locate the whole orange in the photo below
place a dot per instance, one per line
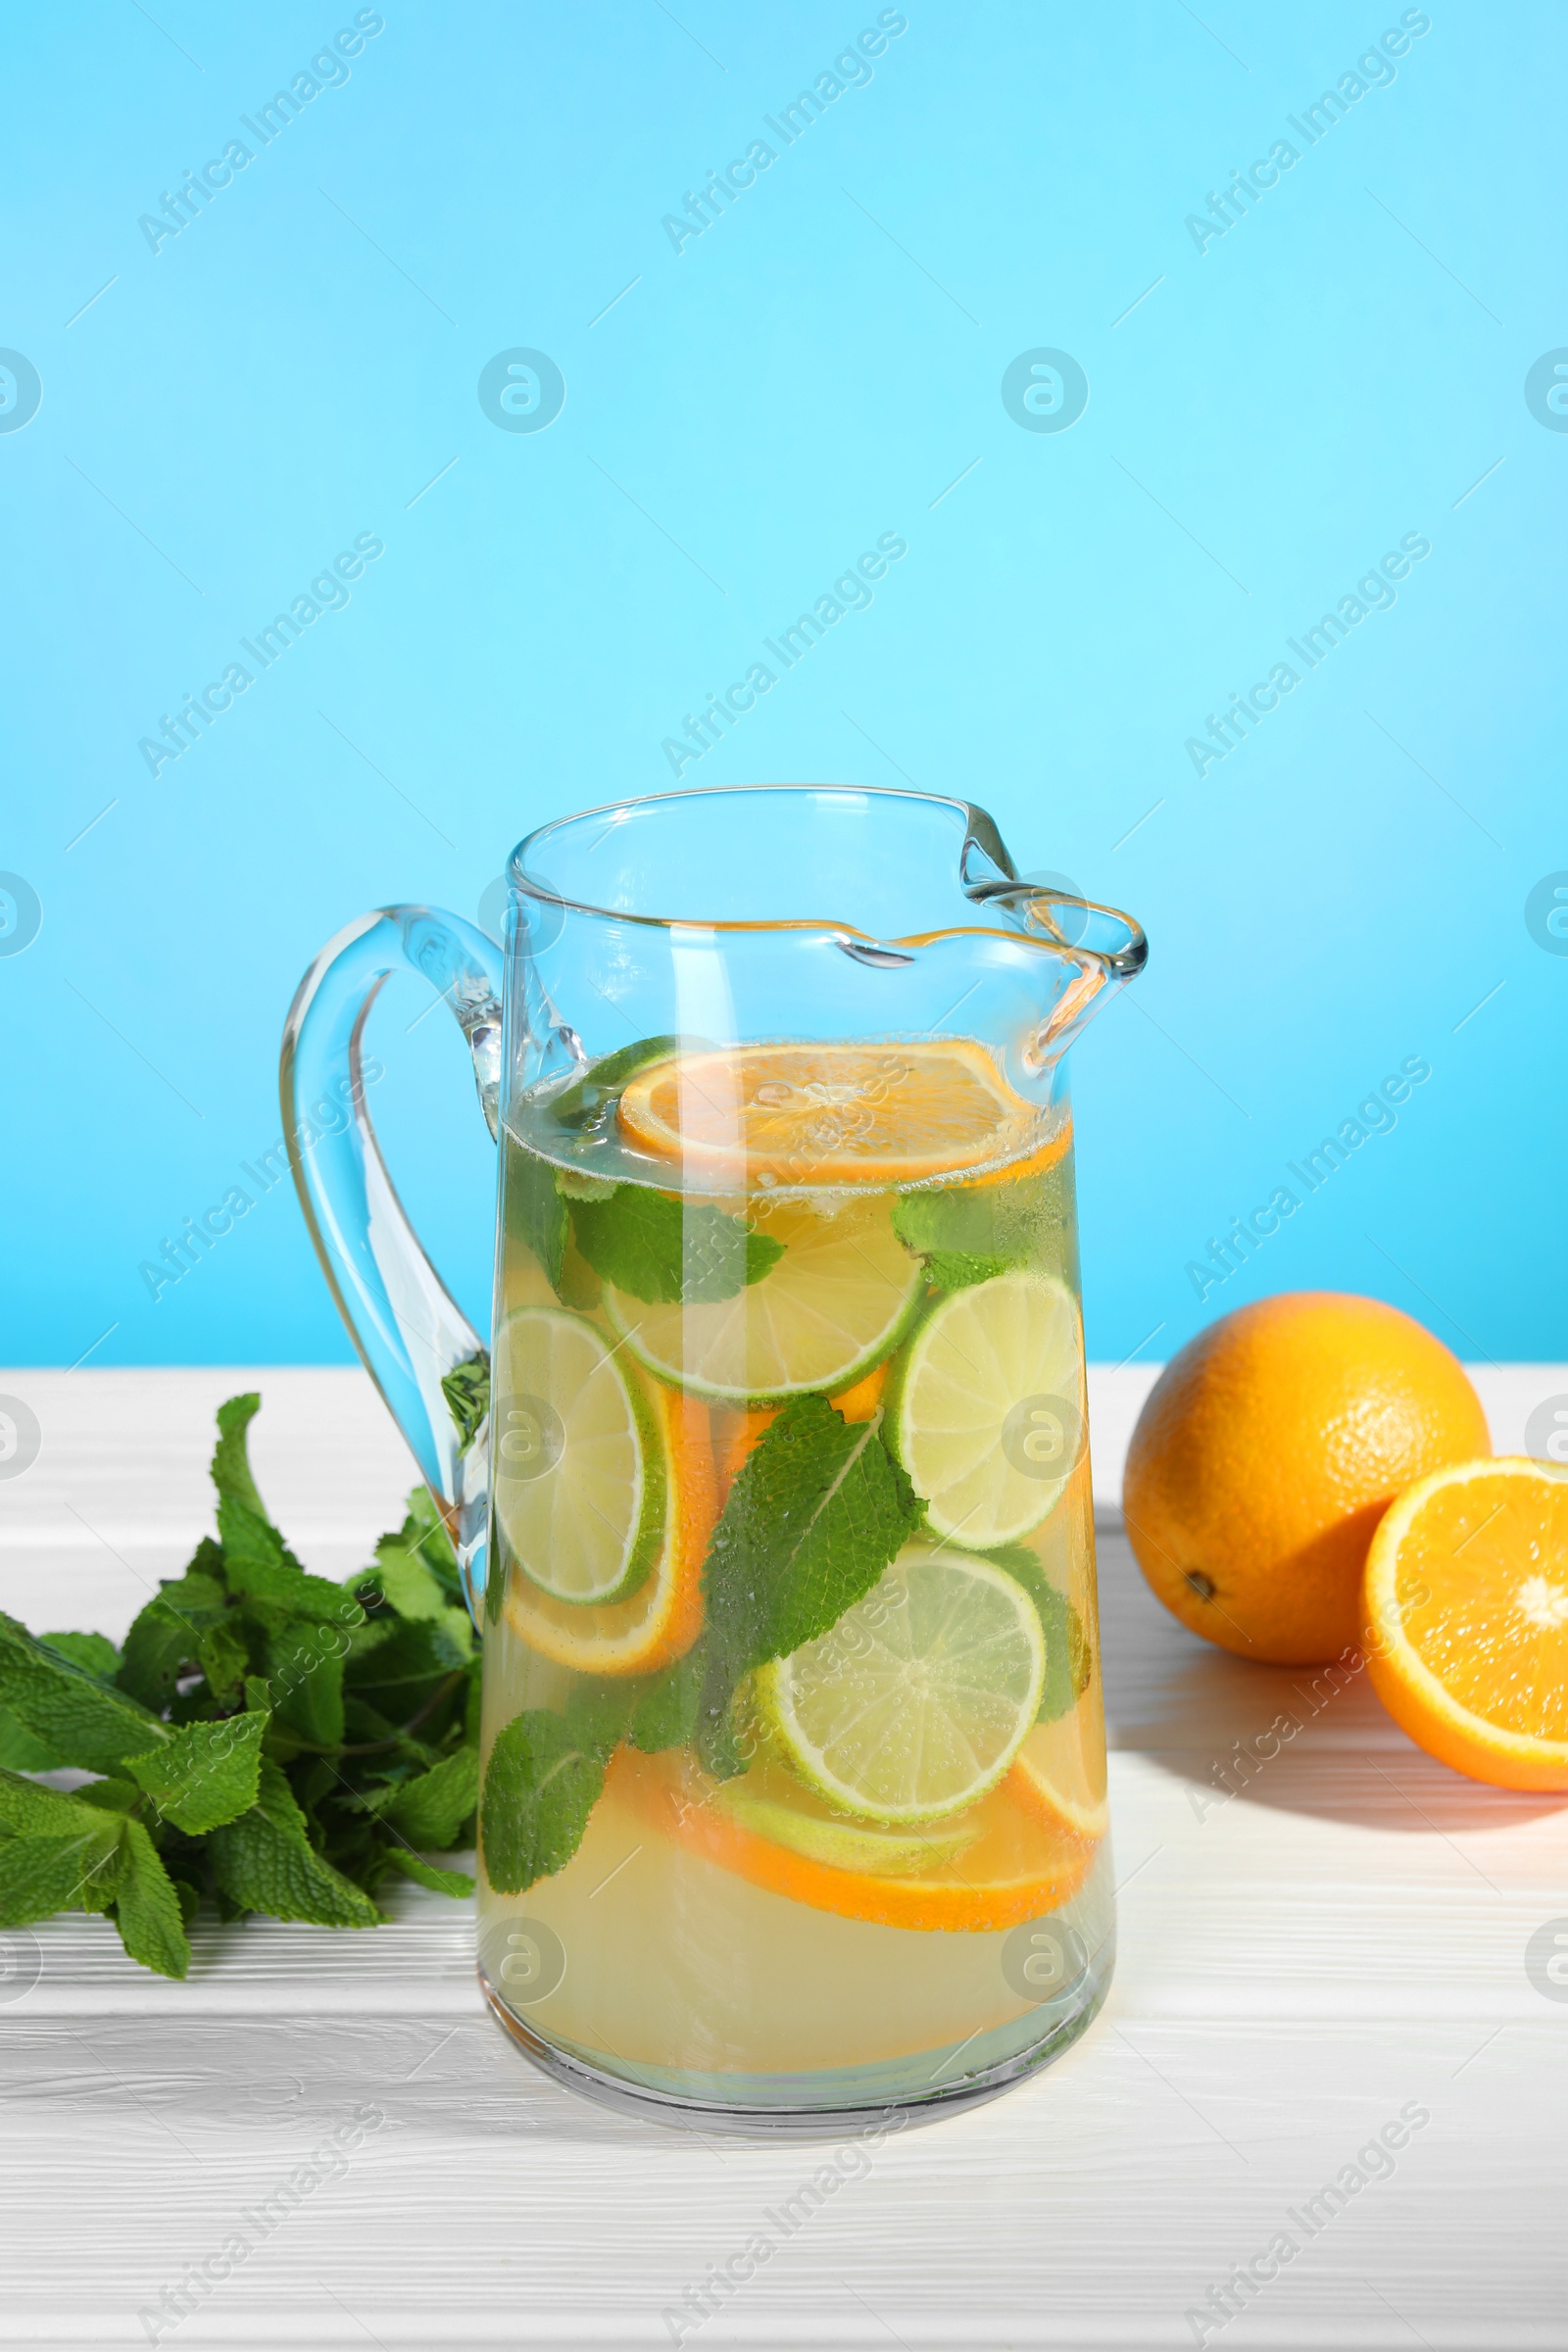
(1267, 1452)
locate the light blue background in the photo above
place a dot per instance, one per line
(814, 369)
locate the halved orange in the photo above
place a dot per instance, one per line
(1059, 1773)
(664, 1617)
(849, 1113)
(1465, 1610)
(1018, 1866)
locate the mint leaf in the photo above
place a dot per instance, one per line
(166, 1636)
(93, 1651)
(722, 1721)
(206, 1774)
(224, 1654)
(305, 1676)
(425, 1874)
(395, 1669)
(1069, 1658)
(579, 1287)
(256, 1560)
(432, 1807)
(260, 1565)
(29, 1809)
(954, 1231)
(657, 1247)
(590, 1101)
(21, 1751)
(408, 1582)
(109, 1795)
(55, 1851)
(598, 1708)
(42, 1875)
(816, 1512)
(666, 1713)
(426, 1530)
(265, 1862)
(969, 1233)
(533, 1211)
(88, 1722)
(467, 1390)
(147, 1907)
(539, 1789)
(415, 1570)
(407, 1585)
(232, 1467)
(572, 1187)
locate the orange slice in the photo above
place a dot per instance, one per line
(1040, 1161)
(1018, 1866)
(1465, 1608)
(833, 1113)
(1059, 1773)
(664, 1617)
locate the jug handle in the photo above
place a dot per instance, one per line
(410, 1332)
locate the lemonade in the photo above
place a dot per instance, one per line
(794, 1792)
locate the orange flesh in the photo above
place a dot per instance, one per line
(824, 1114)
(861, 1402)
(1482, 1587)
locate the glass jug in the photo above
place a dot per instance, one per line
(772, 1488)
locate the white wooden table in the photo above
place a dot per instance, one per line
(1298, 1965)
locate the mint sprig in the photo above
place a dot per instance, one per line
(266, 1740)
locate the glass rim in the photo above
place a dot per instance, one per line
(1024, 898)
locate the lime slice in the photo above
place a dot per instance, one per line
(841, 1844)
(986, 1412)
(839, 1300)
(917, 1702)
(580, 1478)
(662, 1618)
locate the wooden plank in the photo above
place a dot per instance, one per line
(1340, 1940)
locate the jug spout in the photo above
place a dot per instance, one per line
(1091, 951)
(865, 913)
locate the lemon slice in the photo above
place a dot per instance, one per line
(834, 1306)
(847, 1112)
(987, 1411)
(581, 1477)
(917, 1702)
